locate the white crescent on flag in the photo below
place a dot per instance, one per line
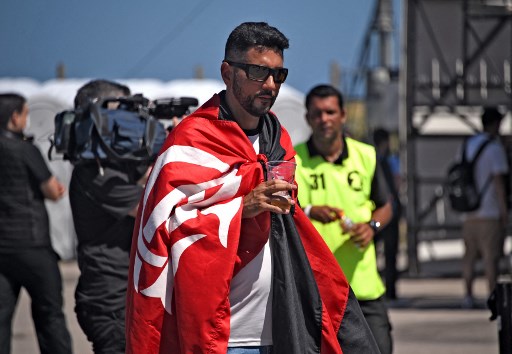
(187, 202)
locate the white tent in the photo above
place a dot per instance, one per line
(48, 98)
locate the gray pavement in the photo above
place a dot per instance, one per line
(427, 319)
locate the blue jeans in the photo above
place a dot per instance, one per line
(250, 350)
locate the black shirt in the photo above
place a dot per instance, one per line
(23, 216)
(100, 205)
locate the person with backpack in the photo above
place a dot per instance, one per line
(483, 229)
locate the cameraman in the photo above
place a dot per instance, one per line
(104, 202)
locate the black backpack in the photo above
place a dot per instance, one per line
(461, 186)
(127, 134)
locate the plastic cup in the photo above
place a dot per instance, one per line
(283, 170)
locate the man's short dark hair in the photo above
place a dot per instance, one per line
(10, 103)
(324, 91)
(99, 89)
(380, 135)
(490, 116)
(254, 34)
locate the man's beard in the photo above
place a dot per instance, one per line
(247, 102)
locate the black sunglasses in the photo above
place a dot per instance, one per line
(261, 73)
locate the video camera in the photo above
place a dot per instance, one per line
(167, 108)
(163, 108)
(117, 129)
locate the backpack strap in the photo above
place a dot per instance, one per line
(474, 160)
(479, 151)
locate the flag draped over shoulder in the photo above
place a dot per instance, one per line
(186, 247)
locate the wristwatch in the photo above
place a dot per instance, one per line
(375, 225)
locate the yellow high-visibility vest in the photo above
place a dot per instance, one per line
(345, 185)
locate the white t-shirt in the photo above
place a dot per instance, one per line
(251, 297)
(491, 162)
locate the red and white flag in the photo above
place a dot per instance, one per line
(186, 240)
(186, 237)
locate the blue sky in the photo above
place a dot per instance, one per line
(166, 39)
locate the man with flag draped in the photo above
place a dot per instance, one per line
(215, 267)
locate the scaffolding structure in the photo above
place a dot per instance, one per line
(457, 57)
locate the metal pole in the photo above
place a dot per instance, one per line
(410, 135)
(384, 25)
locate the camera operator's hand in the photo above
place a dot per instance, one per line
(262, 198)
(175, 121)
(144, 179)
